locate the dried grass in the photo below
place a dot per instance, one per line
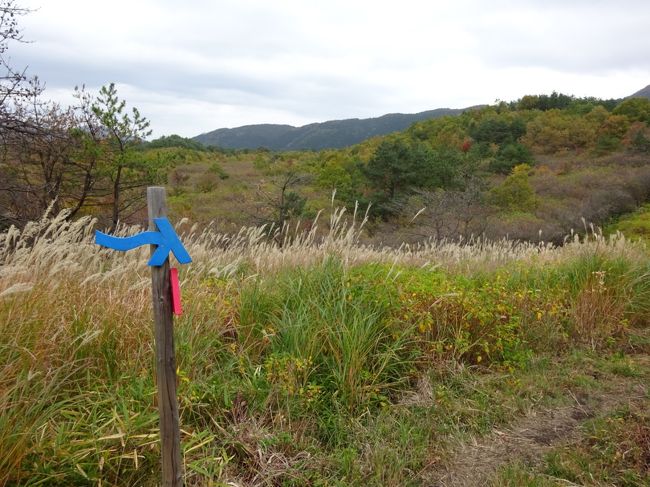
(55, 249)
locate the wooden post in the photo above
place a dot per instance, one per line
(170, 436)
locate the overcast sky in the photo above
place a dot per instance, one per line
(196, 65)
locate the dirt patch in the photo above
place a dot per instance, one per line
(529, 438)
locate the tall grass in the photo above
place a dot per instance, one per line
(288, 346)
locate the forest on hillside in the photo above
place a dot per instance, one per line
(534, 169)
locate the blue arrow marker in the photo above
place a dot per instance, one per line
(166, 240)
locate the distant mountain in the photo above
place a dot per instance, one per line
(316, 136)
(643, 93)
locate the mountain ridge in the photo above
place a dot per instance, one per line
(331, 134)
(642, 93)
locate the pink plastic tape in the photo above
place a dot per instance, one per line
(176, 292)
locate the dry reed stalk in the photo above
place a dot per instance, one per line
(53, 247)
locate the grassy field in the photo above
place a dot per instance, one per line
(241, 189)
(635, 225)
(327, 362)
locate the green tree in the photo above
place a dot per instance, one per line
(441, 168)
(341, 173)
(441, 132)
(545, 102)
(497, 129)
(174, 140)
(124, 132)
(635, 109)
(516, 192)
(398, 167)
(393, 168)
(510, 155)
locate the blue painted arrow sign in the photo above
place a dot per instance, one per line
(166, 240)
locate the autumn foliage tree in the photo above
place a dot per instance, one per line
(515, 193)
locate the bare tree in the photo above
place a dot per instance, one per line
(449, 213)
(57, 157)
(54, 164)
(278, 205)
(15, 86)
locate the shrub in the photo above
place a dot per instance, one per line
(516, 192)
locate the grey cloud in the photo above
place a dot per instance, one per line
(597, 39)
(318, 61)
(308, 95)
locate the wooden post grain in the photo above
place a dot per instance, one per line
(172, 468)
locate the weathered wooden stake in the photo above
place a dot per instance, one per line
(170, 436)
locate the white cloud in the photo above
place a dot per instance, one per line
(198, 65)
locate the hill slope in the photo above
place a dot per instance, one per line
(316, 136)
(642, 93)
